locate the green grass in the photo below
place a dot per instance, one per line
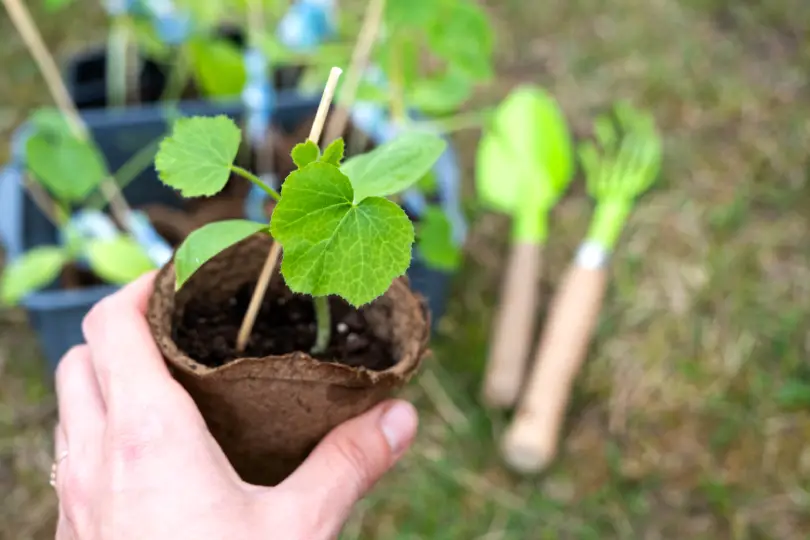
(691, 416)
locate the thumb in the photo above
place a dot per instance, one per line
(349, 461)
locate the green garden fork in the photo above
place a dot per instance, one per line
(615, 177)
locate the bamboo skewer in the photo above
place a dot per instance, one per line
(360, 57)
(275, 251)
(33, 39)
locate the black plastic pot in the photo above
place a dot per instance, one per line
(85, 77)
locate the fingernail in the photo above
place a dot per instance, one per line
(398, 425)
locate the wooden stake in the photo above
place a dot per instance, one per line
(372, 21)
(272, 258)
(265, 160)
(42, 201)
(50, 72)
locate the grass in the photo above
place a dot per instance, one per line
(691, 416)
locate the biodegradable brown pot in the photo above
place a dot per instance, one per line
(268, 413)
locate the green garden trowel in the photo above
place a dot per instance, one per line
(625, 165)
(524, 164)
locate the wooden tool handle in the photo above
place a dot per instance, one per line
(514, 325)
(530, 443)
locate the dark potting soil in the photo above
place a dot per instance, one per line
(285, 324)
(73, 277)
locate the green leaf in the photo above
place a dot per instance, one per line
(435, 240)
(148, 40)
(305, 153)
(119, 260)
(334, 152)
(415, 13)
(333, 245)
(393, 166)
(53, 6)
(794, 394)
(428, 184)
(206, 242)
(464, 38)
(400, 58)
(205, 13)
(277, 51)
(51, 121)
(32, 271)
(442, 95)
(68, 167)
(218, 67)
(196, 159)
(367, 91)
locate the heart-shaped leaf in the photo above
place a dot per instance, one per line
(197, 158)
(335, 243)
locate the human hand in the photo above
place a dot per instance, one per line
(135, 459)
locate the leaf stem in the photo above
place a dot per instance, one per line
(398, 111)
(134, 166)
(458, 122)
(270, 263)
(244, 173)
(116, 68)
(178, 77)
(323, 317)
(48, 206)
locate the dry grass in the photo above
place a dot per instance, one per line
(691, 417)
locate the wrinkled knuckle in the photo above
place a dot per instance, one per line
(134, 434)
(97, 316)
(75, 493)
(355, 459)
(69, 362)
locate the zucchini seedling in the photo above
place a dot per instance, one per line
(340, 234)
(70, 169)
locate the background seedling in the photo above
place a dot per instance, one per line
(67, 170)
(59, 146)
(620, 170)
(524, 164)
(341, 236)
(28, 31)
